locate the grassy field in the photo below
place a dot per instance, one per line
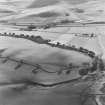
(34, 53)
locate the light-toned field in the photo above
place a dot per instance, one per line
(34, 53)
